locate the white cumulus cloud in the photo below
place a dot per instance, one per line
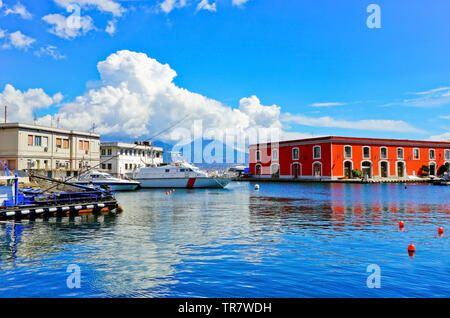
(366, 124)
(18, 9)
(136, 96)
(109, 6)
(111, 27)
(443, 137)
(168, 5)
(17, 40)
(69, 27)
(239, 2)
(328, 104)
(435, 97)
(205, 5)
(49, 50)
(21, 105)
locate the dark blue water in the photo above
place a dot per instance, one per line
(285, 240)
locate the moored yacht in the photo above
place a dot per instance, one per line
(178, 175)
(98, 178)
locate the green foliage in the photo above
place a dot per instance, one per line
(443, 169)
(357, 173)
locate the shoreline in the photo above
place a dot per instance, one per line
(327, 180)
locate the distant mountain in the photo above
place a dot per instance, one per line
(214, 155)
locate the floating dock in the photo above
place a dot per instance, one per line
(59, 210)
(32, 203)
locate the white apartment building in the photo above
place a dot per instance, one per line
(119, 158)
(54, 152)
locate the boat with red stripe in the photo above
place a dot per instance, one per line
(179, 175)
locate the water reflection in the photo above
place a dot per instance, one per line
(224, 243)
(31, 239)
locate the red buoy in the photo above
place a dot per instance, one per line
(440, 230)
(411, 248)
(401, 224)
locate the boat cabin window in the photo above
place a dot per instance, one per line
(182, 170)
(167, 170)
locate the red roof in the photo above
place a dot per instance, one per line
(338, 139)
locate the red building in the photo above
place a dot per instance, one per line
(336, 157)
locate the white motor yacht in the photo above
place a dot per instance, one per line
(98, 178)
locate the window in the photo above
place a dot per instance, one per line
(400, 154)
(347, 151)
(274, 154)
(103, 153)
(258, 155)
(295, 154)
(167, 170)
(80, 145)
(447, 154)
(258, 170)
(37, 140)
(103, 165)
(366, 152)
(416, 154)
(317, 152)
(383, 153)
(126, 166)
(181, 170)
(58, 142)
(30, 140)
(109, 152)
(66, 143)
(45, 142)
(109, 166)
(432, 154)
(86, 145)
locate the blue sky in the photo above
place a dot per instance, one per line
(317, 61)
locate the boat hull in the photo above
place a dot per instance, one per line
(119, 186)
(187, 183)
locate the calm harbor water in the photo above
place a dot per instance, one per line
(285, 240)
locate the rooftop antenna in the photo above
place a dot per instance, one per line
(34, 118)
(57, 121)
(93, 127)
